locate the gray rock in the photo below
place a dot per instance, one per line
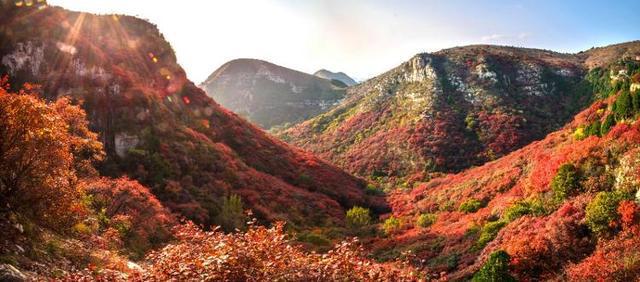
(8, 273)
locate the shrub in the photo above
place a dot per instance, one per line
(127, 207)
(391, 225)
(358, 217)
(520, 208)
(262, 254)
(565, 183)
(426, 219)
(373, 190)
(580, 133)
(602, 211)
(495, 269)
(471, 205)
(489, 232)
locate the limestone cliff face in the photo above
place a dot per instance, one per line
(271, 95)
(447, 110)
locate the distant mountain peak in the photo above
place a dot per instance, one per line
(271, 95)
(340, 76)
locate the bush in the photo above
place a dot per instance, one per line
(523, 207)
(565, 183)
(132, 211)
(373, 190)
(489, 232)
(495, 269)
(471, 205)
(602, 211)
(358, 217)
(426, 219)
(262, 254)
(580, 133)
(391, 225)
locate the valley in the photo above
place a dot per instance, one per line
(473, 163)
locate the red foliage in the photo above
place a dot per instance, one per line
(132, 210)
(262, 254)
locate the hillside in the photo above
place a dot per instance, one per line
(270, 95)
(447, 111)
(563, 208)
(159, 128)
(340, 76)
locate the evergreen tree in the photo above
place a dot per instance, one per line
(231, 216)
(623, 105)
(609, 122)
(594, 128)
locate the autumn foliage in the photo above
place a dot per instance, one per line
(44, 147)
(263, 254)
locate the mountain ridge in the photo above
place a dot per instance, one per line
(271, 95)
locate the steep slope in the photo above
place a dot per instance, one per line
(159, 128)
(340, 76)
(271, 95)
(448, 110)
(565, 207)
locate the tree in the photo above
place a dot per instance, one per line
(594, 128)
(624, 108)
(609, 122)
(496, 269)
(358, 217)
(231, 215)
(41, 149)
(565, 182)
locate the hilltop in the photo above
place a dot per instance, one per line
(270, 95)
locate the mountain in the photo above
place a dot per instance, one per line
(270, 95)
(157, 127)
(450, 110)
(562, 208)
(340, 76)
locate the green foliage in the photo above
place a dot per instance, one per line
(471, 205)
(520, 208)
(594, 128)
(358, 217)
(608, 123)
(565, 183)
(580, 133)
(489, 232)
(373, 190)
(315, 239)
(602, 210)
(231, 215)
(496, 269)
(426, 219)
(624, 107)
(391, 225)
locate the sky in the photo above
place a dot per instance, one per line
(364, 38)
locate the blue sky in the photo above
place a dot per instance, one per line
(366, 38)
